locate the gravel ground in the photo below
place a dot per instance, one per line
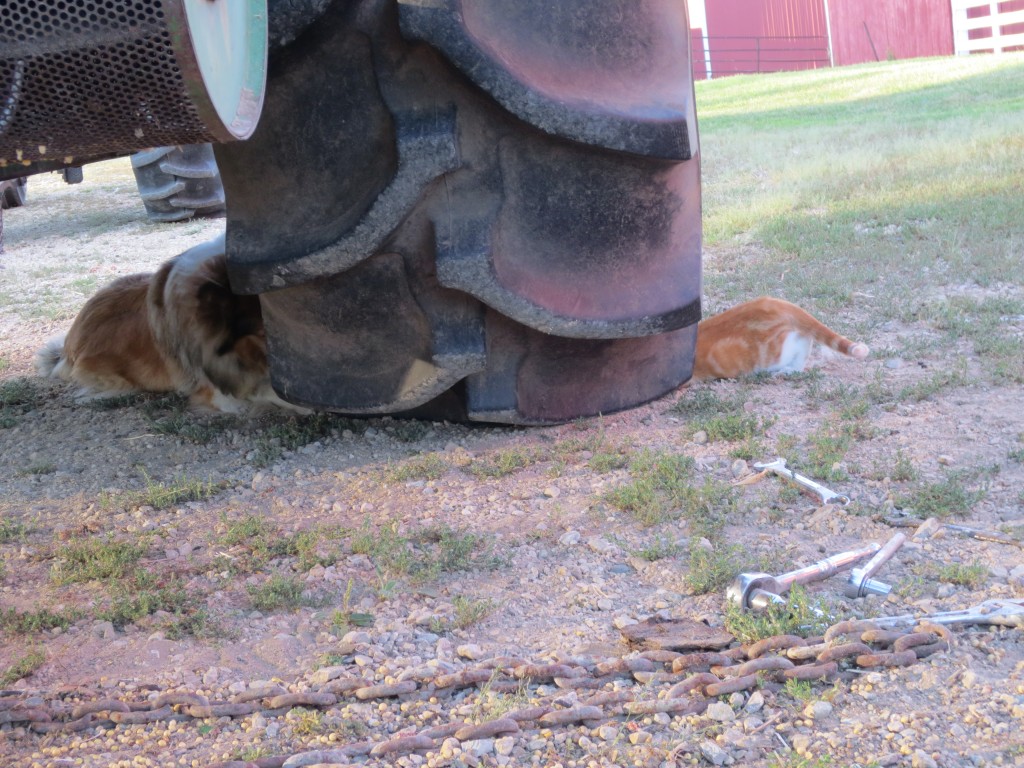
(539, 563)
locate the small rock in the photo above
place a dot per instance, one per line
(945, 590)
(700, 437)
(713, 753)
(640, 737)
(356, 637)
(325, 674)
(801, 743)
(504, 745)
(602, 546)
(552, 492)
(569, 538)
(604, 604)
(739, 469)
(470, 651)
(478, 747)
(922, 759)
(945, 460)
(608, 732)
(1017, 575)
(755, 702)
(623, 621)
(893, 362)
(819, 710)
(721, 712)
(969, 679)
(104, 630)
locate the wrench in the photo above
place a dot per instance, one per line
(828, 496)
(756, 590)
(1006, 613)
(861, 582)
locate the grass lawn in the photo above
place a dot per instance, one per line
(875, 193)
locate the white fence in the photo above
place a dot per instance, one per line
(994, 21)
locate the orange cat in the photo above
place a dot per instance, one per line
(765, 334)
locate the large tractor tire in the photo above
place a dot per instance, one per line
(473, 208)
(13, 193)
(177, 183)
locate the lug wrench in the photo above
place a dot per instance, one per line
(757, 590)
(861, 583)
(828, 496)
(1006, 613)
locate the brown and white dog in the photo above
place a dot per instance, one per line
(180, 329)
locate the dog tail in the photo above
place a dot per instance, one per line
(50, 359)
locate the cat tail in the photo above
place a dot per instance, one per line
(50, 359)
(825, 336)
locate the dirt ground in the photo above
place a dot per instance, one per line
(555, 566)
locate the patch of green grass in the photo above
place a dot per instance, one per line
(264, 541)
(297, 431)
(12, 530)
(503, 463)
(662, 489)
(988, 323)
(828, 447)
(28, 622)
(163, 495)
(793, 760)
(733, 427)
(705, 403)
(492, 705)
(713, 569)
(407, 430)
(96, 559)
(429, 466)
(898, 468)
(39, 468)
(971, 576)
(23, 667)
(659, 549)
(306, 722)
(776, 204)
(140, 595)
(949, 497)
(721, 418)
(749, 449)
(798, 616)
(603, 461)
(21, 391)
(18, 397)
(806, 691)
(470, 611)
(424, 554)
(1017, 453)
(277, 593)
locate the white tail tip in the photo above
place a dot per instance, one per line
(859, 351)
(50, 356)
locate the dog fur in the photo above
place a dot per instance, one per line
(180, 329)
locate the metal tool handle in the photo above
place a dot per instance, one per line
(827, 567)
(884, 555)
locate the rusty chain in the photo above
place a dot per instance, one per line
(660, 682)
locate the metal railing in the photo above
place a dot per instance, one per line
(744, 55)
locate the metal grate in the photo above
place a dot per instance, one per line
(81, 78)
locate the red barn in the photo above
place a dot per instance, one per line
(772, 35)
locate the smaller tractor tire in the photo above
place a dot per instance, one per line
(13, 193)
(177, 183)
